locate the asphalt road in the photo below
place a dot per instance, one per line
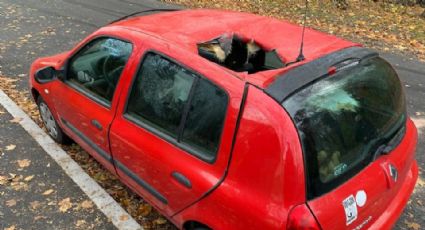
(34, 28)
(37, 193)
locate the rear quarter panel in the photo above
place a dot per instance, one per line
(266, 176)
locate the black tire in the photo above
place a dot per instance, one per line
(50, 123)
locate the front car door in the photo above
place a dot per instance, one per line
(173, 132)
(88, 93)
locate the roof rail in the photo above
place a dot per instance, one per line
(141, 12)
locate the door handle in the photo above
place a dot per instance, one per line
(96, 124)
(182, 179)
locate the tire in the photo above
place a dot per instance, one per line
(50, 123)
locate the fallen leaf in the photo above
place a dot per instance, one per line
(413, 225)
(35, 204)
(65, 204)
(13, 227)
(48, 192)
(11, 203)
(3, 180)
(80, 223)
(123, 217)
(10, 147)
(39, 217)
(160, 221)
(420, 182)
(144, 210)
(87, 204)
(16, 120)
(24, 163)
(28, 178)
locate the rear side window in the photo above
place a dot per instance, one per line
(205, 119)
(346, 120)
(160, 93)
(178, 105)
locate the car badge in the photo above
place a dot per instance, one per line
(393, 172)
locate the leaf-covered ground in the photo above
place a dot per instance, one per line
(141, 211)
(385, 26)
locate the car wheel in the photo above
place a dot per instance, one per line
(52, 127)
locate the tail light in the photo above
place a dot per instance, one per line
(301, 218)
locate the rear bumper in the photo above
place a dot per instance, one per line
(394, 210)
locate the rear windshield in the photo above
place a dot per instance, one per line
(346, 120)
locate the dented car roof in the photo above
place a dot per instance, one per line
(187, 28)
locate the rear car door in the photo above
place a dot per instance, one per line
(358, 145)
(172, 136)
(88, 93)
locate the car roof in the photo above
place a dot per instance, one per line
(187, 28)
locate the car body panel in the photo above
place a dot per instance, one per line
(266, 144)
(195, 26)
(154, 159)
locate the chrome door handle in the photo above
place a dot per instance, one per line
(96, 124)
(181, 179)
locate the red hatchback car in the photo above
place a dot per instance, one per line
(210, 117)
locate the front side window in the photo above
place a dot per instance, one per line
(188, 109)
(97, 67)
(346, 120)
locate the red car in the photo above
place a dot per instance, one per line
(211, 117)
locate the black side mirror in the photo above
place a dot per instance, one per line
(45, 75)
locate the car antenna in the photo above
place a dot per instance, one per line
(301, 54)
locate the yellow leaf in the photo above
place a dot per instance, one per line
(123, 217)
(24, 163)
(10, 147)
(160, 221)
(48, 192)
(420, 182)
(87, 204)
(65, 204)
(16, 120)
(28, 178)
(413, 225)
(11, 203)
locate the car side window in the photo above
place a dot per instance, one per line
(159, 93)
(205, 118)
(97, 67)
(188, 108)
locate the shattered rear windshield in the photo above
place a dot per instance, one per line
(239, 54)
(346, 120)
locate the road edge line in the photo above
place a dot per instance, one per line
(105, 203)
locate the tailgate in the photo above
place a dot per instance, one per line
(364, 199)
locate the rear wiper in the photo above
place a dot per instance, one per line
(391, 144)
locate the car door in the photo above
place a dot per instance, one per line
(85, 104)
(173, 133)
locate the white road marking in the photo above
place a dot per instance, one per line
(420, 124)
(119, 217)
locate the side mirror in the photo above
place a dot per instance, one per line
(45, 75)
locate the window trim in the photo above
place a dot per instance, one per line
(85, 92)
(163, 135)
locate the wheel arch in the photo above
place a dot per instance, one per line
(35, 94)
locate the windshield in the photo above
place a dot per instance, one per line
(345, 120)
